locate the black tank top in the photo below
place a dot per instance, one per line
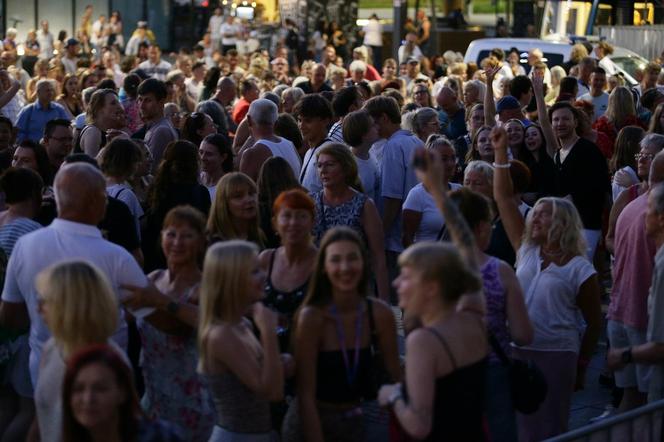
(284, 303)
(458, 407)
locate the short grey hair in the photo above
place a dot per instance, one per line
(73, 184)
(479, 86)
(357, 65)
(657, 197)
(479, 166)
(44, 82)
(655, 141)
(294, 92)
(263, 111)
(279, 89)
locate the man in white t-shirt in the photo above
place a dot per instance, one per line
(229, 34)
(214, 26)
(80, 195)
(261, 116)
(597, 96)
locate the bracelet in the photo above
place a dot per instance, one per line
(502, 166)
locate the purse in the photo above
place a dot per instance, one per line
(379, 374)
(527, 383)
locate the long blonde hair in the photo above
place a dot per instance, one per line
(620, 107)
(566, 227)
(224, 287)
(220, 222)
(82, 308)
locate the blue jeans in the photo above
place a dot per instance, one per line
(500, 413)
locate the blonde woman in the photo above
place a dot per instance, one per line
(80, 309)
(234, 212)
(557, 74)
(244, 373)
(620, 112)
(560, 286)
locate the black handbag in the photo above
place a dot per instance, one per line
(379, 374)
(529, 388)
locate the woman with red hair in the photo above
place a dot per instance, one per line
(289, 267)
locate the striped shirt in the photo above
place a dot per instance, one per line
(10, 233)
(336, 133)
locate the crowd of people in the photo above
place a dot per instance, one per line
(244, 243)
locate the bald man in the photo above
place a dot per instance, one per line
(451, 114)
(80, 195)
(316, 83)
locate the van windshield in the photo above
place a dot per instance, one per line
(629, 64)
(551, 59)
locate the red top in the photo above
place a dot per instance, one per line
(240, 110)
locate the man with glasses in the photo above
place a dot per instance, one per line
(634, 254)
(58, 142)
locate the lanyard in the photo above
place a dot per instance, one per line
(351, 372)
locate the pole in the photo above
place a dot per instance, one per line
(397, 25)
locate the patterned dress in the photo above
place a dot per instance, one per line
(174, 392)
(348, 214)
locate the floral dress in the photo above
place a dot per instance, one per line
(348, 214)
(174, 392)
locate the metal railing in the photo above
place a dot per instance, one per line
(643, 424)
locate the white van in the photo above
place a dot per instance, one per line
(555, 53)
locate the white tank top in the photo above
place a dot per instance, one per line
(284, 149)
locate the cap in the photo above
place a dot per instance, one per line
(71, 42)
(507, 103)
(142, 24)
(410, 60)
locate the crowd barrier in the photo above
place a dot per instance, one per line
(643, 424)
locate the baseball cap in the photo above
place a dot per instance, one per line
(410, 60)
(71, 42)
(507, 103)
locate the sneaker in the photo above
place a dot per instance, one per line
(609, 411)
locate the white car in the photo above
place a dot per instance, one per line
(555, 53)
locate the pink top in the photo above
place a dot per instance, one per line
(632, 270)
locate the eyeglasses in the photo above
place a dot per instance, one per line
(644, 156)
(421, 91)
(326, 165)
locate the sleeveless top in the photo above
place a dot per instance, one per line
(496, 306)
(458, 406)
(284, 149)
(239, 409)
(346, 214)
(284, 303)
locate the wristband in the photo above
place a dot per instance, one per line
(502, 166)
(394, 397)
(627, 357)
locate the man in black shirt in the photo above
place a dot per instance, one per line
(581, 172)
(317, 82)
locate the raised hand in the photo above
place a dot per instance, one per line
(538, 82)
(491, 73)
(498, 139)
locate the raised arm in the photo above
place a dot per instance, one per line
(489, 101)
(549, 136)
(503, 190)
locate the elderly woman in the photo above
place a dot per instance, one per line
(289, 97)
(423, 122)
(173, 389)
(560, 286)
(104, 112)
(339, 203)
(473, 93)
(357, 71)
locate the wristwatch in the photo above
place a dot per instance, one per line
(173, 307)
(627, 357)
